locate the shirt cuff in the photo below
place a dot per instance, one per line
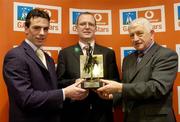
(63, 94)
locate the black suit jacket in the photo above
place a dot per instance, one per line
(148, 85)
(32, 89)
(93, 108)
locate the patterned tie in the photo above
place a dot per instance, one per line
(140, 55)
(41, 56)
(88, 49)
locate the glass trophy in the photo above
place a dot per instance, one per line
(91, 69)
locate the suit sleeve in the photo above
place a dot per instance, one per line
(17, 76)
(157, 79)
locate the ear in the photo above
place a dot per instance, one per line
(75, 27)
(152, 34)
(26, 30)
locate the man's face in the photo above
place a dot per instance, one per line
(86, 27)
(141, 38)
(37, 31)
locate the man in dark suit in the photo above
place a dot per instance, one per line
(147, 84)
(92, 108)
(32, 82)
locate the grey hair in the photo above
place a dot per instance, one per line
(141, 21)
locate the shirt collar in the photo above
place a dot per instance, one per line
(146, 50)
(82, 45)
(31, 44)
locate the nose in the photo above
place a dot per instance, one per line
(42, 31)
(136, 38)
(87, 25)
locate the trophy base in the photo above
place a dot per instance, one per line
(91, 84)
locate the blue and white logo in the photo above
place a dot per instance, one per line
(75, 16)
(23, 11)
(128, 17)
(127, 52)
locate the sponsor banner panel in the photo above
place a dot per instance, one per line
(178, 52)
(125, 51)
(155, 14)
(177, 16)
(178, 88)
(21, 10)
(103, 20)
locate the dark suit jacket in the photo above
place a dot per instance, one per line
(93, 108)
(31, 87)
(148, 85)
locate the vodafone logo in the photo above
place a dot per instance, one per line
(149, 14)
(98, 17)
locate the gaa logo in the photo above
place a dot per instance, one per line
(22, 12)
(128, 17)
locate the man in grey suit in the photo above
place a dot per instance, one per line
(32, 83)
(92, 108)
(147, 83)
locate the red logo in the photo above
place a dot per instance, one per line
(152, 15)
(52, 13)
(101, 18)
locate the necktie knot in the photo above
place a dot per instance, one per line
(88, 49)
(39, 53)
(140, 54)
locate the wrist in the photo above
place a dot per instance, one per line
(120, 88)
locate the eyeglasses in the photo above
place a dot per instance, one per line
(87, 24)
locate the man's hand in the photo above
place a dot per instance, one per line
(75, 92)
(110, 87)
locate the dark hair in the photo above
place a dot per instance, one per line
(36, 13)
(85, 13)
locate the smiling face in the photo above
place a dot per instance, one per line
(37, 31)
(86, 27)
(141, 37)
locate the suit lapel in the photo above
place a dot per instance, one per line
(147, 56)
(30, 52)
(77, 51)
(97, 49)
(144, 61)
(131, 70)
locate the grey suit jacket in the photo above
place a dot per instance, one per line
(93, 108)
(32, 89)
(148, 85)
